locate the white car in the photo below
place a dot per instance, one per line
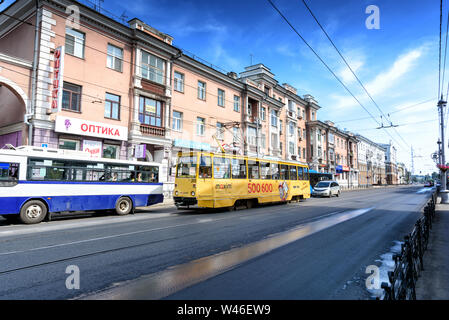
(326, 189)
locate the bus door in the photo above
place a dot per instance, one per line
(204, 181)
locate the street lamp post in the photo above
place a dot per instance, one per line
(444, 193)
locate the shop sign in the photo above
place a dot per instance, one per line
(140, 151)
(93, 147)
(58, 68)
(90, 128)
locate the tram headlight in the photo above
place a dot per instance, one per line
(176, 193)
(193, 193)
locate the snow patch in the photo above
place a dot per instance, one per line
(386, 265)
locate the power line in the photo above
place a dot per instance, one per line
(326, 65)
(352, 71)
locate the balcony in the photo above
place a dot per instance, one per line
(152, 131)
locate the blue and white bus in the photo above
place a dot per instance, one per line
(35, 182)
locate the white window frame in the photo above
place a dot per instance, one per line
(154, 72)
(177, 121)
(114, 58)
(178, 84)
(200, 126)
(79, 39)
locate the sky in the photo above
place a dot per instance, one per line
(397, 63)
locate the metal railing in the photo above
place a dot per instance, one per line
(409, 263)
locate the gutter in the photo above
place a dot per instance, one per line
(31, 113)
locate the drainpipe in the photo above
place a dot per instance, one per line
(32, 110)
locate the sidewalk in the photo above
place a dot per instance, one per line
(433, 284)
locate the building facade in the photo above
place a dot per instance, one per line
(391, 168)
(371, 162)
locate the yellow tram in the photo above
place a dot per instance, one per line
(224, 180)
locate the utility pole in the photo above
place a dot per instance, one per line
(413, 164)
(444, 193)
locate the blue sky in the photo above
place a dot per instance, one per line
(398, 63)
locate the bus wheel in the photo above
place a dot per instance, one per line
(124, 206)
(33, 211)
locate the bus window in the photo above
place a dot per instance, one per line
(222, 168)
(265, 170)
(253, 169)
(205, 170)
(238, 168)
(284, 172)
(300, 173)
(9, 172)
(186, 167)
(144, 174)
(275, 171)
(293, 173)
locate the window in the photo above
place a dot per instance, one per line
(252, 138)
(152, 68)
(263, 113)
(74, 43)
(71, 97)
(219, 131)
(263, 142)
(267, 90)
(200, 126)
(275, 171)
(299, 152)
(178, 81)
(205, 167)
(69, 144)
(221, 98)
(236, 103)
(112, 106)
(150, 112)
(114, 58)
(284, 172)
(9, 172)
(291, 128)
(293, 173)
(304, 153)
(274, 118)
(186, 167)
(300, 173)
(111, 151)
(201, 90)
(177, 121)
(291, 147)
(265, 170)
(280, 126)
(222, 168)
(304, 133)
(238, 168)
(253, 169)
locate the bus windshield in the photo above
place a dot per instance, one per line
(186, 167)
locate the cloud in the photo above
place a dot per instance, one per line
(383, 81)
(286, 50)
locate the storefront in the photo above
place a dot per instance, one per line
(97, 138)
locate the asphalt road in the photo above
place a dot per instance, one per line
(315, 249)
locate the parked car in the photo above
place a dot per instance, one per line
(326, 189)
(428, 184)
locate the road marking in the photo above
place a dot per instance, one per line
(162, 284)
(54, 226)
(111, 236)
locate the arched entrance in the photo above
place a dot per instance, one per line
(13, 106)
